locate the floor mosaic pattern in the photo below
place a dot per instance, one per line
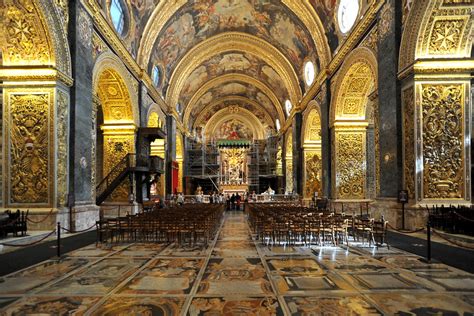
(237, 275)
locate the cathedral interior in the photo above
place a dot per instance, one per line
(236, 157)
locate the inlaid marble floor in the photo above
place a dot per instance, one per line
(237, 276)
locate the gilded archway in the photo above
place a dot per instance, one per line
(312, 151)
(355, 82)
(118, 103)
(157, 147)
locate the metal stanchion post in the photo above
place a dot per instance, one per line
(428, 241)
(58, 249)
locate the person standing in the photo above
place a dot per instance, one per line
(227, 201)
(180, 199)
(238, 199)
(232, 202)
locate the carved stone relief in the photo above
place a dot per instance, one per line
(313, 172)
(350, 165)
(25, 41)
(442, 107)
(408, 100)
(29, 135)
(62, 119)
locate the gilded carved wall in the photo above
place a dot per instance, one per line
(350, 165)
(62, 132)
(408, 101)
(442, 126)
(289, 163)
(313, 173)
(25, 40)
(116, 148)
(28, 155)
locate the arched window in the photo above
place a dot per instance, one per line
(309, 73)
(117, 13)
(156, 75)
(277, 124)
(288, 107)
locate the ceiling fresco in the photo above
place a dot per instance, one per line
(203, 115)
(327, 12)
(233, 129)
(201, 19)
(234, 62)
(236, 88)
(139, 14)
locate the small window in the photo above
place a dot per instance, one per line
(156, 75)
(309, 73)
(179, 108)
(277, 124)
(117, 13)
(288, 107)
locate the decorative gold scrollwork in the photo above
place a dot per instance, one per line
(29, 165)
(350, 172)
(443, 146)
(409, 158)
(313, 174)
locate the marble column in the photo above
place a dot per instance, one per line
(389, 118)
(298, 154)
(170, 152)
(81, 186)
(325, 139)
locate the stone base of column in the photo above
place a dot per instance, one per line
(415, 216)
(84, 216)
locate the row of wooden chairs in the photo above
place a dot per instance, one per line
(190, 224)
(14, 223)
(301, 225)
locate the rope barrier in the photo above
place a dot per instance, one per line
(29, 244)
(451, 241)
(42, 220)
(78, 231)
(405, 231)
(462, 217)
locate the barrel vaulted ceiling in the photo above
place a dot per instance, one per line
(217, 53)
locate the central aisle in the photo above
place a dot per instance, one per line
(234, 275)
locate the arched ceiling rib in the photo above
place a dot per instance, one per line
(165, 10)
(235, 84)
(203, 114)
(199, 20)
(234, 62)
(229, 42)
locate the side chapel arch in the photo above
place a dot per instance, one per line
(349, 121)
(117, 116)
(312, 150)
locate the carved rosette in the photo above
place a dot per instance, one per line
(29, 134)
(442, 124)
(62, 119)
(350, 165)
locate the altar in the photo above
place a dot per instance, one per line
(230, 189)
(233, 160)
